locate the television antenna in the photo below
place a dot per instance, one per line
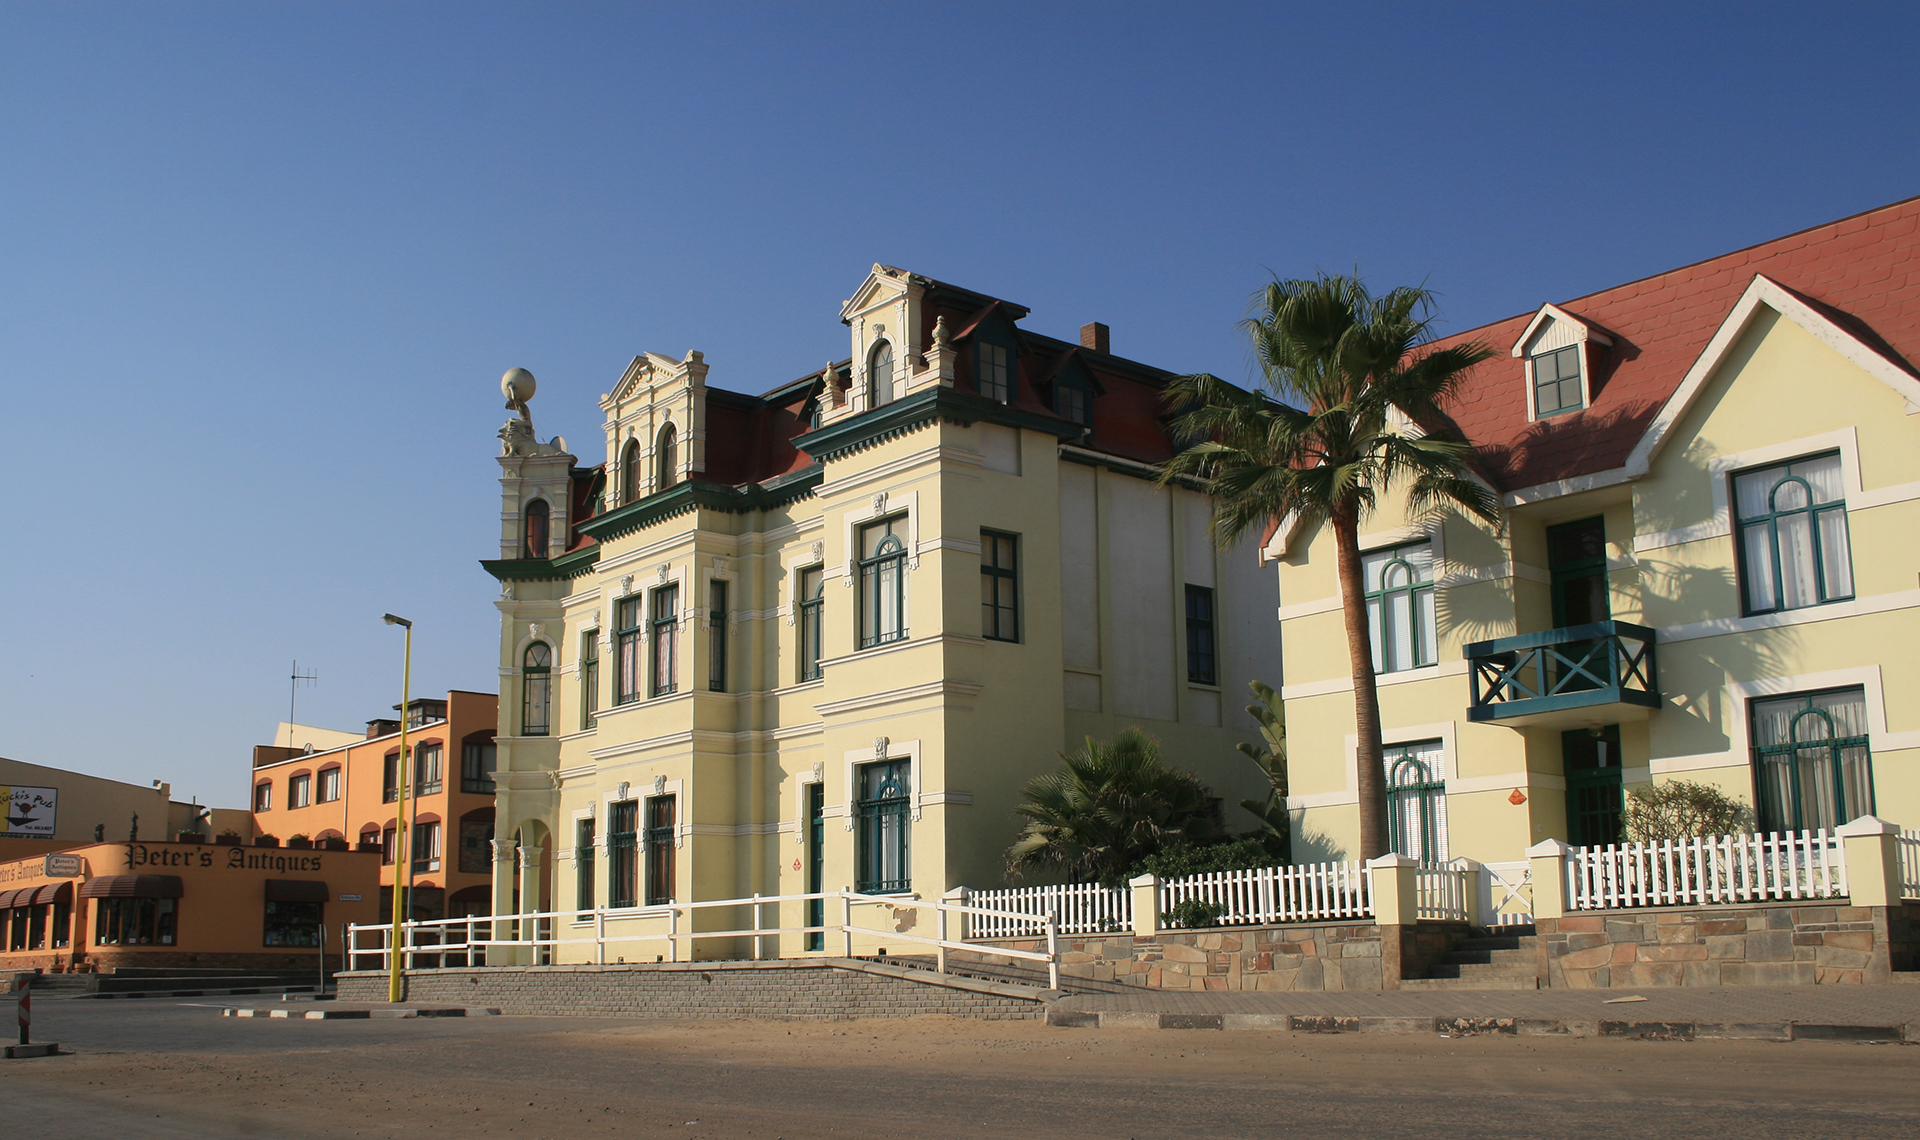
(293, 690)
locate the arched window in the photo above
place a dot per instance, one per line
(536, 689)
(1813, 761)
(666, 459)
(880, 376)
(630, 472)
(1417, 801)
(534, 528)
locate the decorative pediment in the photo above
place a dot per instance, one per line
(652, 368)
(1554, 327)
(884, 284)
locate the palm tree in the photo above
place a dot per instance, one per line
(1109, 806)
(1368, 421)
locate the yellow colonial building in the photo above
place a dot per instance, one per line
(1705, 567)
(820, 638)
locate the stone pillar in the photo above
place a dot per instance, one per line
(503, 901)
(1146, 905)
(1549, 858)
(1393, 882)
(1873, 861)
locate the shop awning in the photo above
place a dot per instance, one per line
(7, 897)
(51, 893)
(478, 893)
(296, 890)
(133, 887)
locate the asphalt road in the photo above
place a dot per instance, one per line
(177, 1069)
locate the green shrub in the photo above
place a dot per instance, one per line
(1193, 914)
(1682, 809)
(1185, 859)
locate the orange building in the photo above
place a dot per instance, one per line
(182, 904)
(349, 796)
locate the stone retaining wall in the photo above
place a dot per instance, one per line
(1320, 957)
(1781, 944)
(825, 989)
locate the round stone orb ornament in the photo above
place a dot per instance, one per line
(517, 386)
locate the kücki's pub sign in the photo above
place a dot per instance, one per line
(29, 811)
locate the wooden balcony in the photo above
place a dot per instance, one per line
(1565, 678)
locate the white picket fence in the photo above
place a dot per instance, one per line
(1081, 908)
(1304, 892)
(1443, 894)
(1717, 869)
(1908, 845)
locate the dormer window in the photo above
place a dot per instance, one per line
(880, 376)
(535, 527)
(1556, 381)
(993, 371)
(1072, 401)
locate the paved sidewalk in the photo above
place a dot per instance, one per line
(1824, 1006)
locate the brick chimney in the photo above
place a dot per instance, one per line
(382, 727)
(1094, 336)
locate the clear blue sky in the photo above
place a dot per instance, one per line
(261, 265)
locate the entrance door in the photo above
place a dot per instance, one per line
(1593, 785)
(816, 862)
(1577, 561)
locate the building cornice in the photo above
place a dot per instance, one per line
(921, 409)
(694, 495)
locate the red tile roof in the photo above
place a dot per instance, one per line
(1860, 271)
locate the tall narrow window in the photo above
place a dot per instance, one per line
(811, 599)
(426, 769)
(1201, 666)
(477, 759)
(623, 854)
(426, 846)
(883, 582)
(629, 654)
(1556, 382)
(880, 376)
(1399, 585)
(583, 865)
(717, 636)
(299, 791)
(390, 777)
(1417, 801)
(1812, 764)
(659, 840)
(263, 797)
(535, 530)
(884, 815)
(665, 630)
(1794, 550)
(999, 586)
(666, 459)
(536, 689)
(329, 785)
(993, 370)
(631, 488)
(589, 678)
(389, 846)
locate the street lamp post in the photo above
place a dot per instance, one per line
(403, 777)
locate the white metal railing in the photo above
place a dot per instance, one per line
(1715, 869)
(1442, 894)
(1907, 843)
(1303, 892)
(1081, 908)
(459, 942)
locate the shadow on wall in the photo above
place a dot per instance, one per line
(1314, 846)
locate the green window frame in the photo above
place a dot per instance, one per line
(583, 865)
(629, 642)
(659, 839)
(880, 378)
(999, 586)
(1417, 801)
(885, 820)
(993, 370)
(883, 582)
(1400, 606)
(536, 689)
(589, 679)
(811, 591)
(623, 854)
(1812, 759)
(1202, 660)
(1556, 381)
(289, 922)
(664, 629)
(1793, 543)
(717, 636)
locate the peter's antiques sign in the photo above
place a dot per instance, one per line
(140, 856)
(29, 811)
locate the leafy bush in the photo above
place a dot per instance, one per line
(1682, 809)
(1188, 859)
(1193, 914)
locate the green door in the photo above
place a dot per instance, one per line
(1577, 562)
(816, 861)
(1593, 785)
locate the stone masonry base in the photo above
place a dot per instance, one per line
(1782, 944)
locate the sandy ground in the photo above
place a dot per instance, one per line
(181, 1070)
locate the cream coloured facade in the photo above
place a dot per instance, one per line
(1705, 568)
(821, 638)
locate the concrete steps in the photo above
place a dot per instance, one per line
(1503, 959)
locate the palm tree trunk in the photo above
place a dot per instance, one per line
(1370, 778)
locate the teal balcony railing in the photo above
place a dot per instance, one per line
(1547, 676)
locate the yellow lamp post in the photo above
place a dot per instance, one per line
(401, 827)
